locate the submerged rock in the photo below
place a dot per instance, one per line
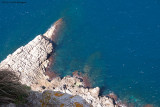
(113, 96)
(148, 105)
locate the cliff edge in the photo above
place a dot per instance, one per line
(30, 62)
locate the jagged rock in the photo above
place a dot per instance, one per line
(55, 99)
(95, 91)
(30, 62)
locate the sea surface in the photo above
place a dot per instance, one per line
(115, 42)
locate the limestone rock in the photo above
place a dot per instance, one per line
(27, 61)
(53, 32)
(94, 92)
(55, 99)
(30, 62)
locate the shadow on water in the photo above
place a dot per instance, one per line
(102, 90)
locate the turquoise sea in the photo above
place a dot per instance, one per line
(115, 42)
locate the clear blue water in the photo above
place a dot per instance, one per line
(117, 43)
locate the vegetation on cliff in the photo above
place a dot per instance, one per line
(11, 90)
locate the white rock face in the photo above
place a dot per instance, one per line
(29, 62)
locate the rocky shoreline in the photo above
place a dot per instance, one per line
(30, 62)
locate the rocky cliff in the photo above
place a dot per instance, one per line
(30, 62)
